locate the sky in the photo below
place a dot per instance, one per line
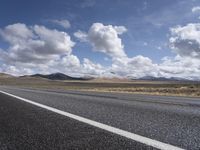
(101, 38)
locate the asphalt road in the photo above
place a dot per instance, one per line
(172, 120)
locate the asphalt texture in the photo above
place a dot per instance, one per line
(173, 120)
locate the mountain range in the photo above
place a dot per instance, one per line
(61, 76)
(57, 76)
(151, 78)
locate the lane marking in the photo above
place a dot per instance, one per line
(129, 135)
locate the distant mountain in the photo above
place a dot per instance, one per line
(61, 76)
(151, 78)
(57, 76)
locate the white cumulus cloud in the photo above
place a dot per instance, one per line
(34, 44)
(185, 40)
(135, 67)
(36, 48)
(105, 38)
(63, 23)
(181, 67)
(196, 9)
(82, 36)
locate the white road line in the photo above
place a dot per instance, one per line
(129, 135)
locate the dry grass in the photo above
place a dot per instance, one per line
(122, 86)
(186, 91)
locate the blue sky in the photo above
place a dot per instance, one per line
(148, 23)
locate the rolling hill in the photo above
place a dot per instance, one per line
(4, 75)
(57, 76)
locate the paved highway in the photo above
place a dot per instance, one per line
(47, 119)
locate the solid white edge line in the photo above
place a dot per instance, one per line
(129, 135)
